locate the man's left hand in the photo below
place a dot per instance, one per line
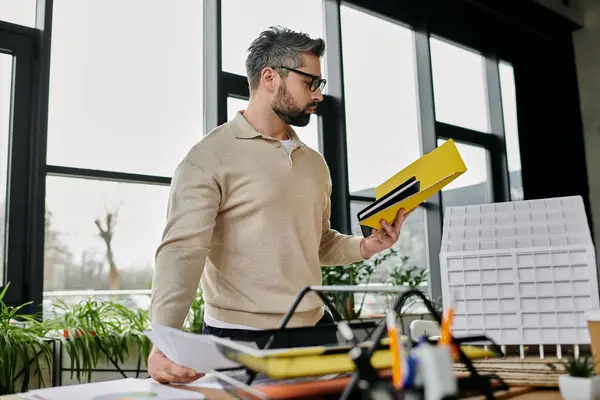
(383, 239)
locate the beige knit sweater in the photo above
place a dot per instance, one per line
(251, 222)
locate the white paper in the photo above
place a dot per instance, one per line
(208, 381)
(190, 350)
(130, 389)
(210, 384)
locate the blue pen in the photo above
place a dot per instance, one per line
(411, 367)
(412, 361)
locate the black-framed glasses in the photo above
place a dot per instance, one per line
(316, 82)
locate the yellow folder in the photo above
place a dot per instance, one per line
(315, 360)
(433, 171)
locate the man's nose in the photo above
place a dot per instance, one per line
(317, 96)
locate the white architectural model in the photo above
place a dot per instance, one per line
(523, 273)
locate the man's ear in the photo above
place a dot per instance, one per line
(269, 78)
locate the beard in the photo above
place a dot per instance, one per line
(288, 111)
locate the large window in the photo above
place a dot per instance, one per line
(465, 89)
(459, 86)
(381, 121)
(381, 111)
(101, 235)
(6, 63)
(21, 12)
(126, 105)
(128, 98)
(472, 187)
(511, 131)
(243, 20)
(126, 83)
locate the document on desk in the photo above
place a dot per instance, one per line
(190, 350)
(120, 389)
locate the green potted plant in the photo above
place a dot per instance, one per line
(84, 326)
(579, 381)
(131, 332)
(349, 274)
(95, 331)
(409, 276)
(25, 350)
(403, 274)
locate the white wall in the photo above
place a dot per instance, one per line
(587, 53)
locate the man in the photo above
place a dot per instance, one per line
(249, 210)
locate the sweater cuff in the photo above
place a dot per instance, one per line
(354, 248)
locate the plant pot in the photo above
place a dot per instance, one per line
(78, 333)
(575, 388)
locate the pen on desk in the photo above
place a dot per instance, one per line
(446, 328)
(394, 349)
(411, 371)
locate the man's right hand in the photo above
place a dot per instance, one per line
(163, 370)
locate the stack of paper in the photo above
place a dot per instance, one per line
(129, 389)
(190, 350)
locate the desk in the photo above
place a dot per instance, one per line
(213, 394)
(523, 393)
(518, 394)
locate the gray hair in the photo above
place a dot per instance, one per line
(279, 47)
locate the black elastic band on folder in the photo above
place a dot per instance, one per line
(379, 202)
(413, 188)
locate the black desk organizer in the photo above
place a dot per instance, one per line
(366, 382)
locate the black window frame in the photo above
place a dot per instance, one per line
(20, 43)
(520, 34)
